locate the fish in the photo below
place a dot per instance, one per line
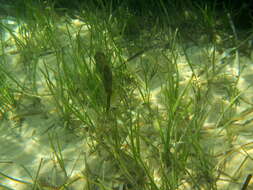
(105, 72)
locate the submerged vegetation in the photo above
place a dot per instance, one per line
(151, 102)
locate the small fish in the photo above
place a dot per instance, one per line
(105, 72)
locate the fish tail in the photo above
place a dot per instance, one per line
(108, 102)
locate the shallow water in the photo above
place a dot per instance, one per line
(32, 133)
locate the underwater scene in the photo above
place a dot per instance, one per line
(107, 97)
